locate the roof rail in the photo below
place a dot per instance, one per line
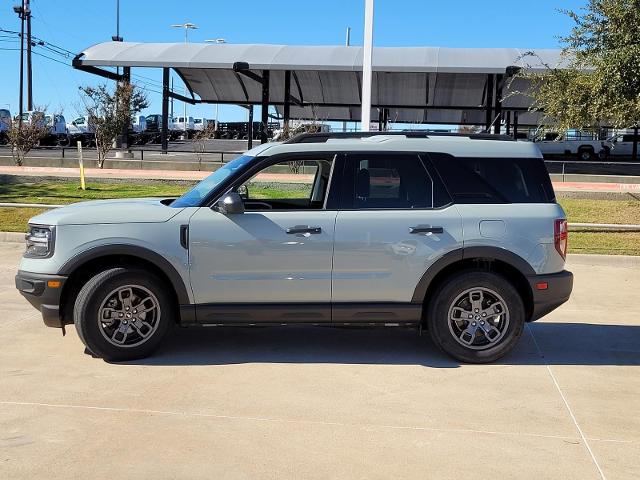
(324, 137)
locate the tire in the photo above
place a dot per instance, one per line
(454, 296)
(586, 154)
(107, 292)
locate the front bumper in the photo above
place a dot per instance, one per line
(43, 292)
(558, 290)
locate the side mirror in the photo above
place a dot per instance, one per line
(230, 204)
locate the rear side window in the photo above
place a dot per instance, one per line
(389, 180)
(494, 180)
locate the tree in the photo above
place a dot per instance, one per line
(109, 113)
(598, 81)
(23, 136)
(200, 138)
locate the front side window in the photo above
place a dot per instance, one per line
(288, 185)
(381, 181)
(195, 196)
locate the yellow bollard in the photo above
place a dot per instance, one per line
(81, 162)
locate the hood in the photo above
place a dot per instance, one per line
(129, 210)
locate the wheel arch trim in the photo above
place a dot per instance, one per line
(94, 253)
(469, 253)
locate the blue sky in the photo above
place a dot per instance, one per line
(76, 24)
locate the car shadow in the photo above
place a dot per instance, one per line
(542, 343)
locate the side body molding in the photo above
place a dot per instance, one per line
(134, 251)
(487, 253)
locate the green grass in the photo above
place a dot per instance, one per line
(605, 243)
(578, 210)
(68, 192)
(601, 211)
(15, 219)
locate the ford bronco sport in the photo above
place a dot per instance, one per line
(459, 235)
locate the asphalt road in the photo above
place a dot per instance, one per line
(328, 403)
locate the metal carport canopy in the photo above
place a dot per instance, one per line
(415, 84)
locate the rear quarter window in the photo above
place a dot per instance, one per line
(494, 180)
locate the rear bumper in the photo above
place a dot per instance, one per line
(558, 290)
(41, 292)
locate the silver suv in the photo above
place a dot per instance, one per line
(459, 235)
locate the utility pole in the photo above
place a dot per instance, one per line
(20, 10)
(367, 67)
(27, 15)
(21, 68)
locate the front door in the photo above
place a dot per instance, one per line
(271, 263)
(394, 222)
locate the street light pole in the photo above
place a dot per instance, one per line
(187, 26)
(367, 67)
(218, 41)
(347, 43)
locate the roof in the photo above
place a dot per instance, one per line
(456, 145)
(417, 84)
(314, 58)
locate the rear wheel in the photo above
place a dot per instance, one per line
(476, 317)
(123, 314)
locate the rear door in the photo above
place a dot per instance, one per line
(394, 222)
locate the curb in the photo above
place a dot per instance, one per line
(627, 261)
(12, 237)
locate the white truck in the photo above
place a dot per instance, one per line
(58, 133)
(583, 149)
(179, 125)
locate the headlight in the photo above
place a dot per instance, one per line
(40, 241)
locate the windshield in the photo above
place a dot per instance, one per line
(194, 197)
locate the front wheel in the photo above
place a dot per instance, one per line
(476, 317)
(123, 314)
(586, 154)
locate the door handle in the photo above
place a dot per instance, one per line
(426, 229)
(304, 229)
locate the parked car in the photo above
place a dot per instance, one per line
(461, 236)
(5, 124)
(620, 145)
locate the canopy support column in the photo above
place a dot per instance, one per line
(287, 99)
(515, 125)
(124, 139)
(264, 134)
(489, 103)
(498, 104)
(164, 128)
(250, 128)
(508, 122)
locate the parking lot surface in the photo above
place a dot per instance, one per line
(328, 403)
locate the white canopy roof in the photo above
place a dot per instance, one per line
(419, 84)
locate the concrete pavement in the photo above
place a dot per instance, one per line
(328, 403)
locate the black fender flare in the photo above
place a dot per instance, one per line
(469, 253)
(134, 251)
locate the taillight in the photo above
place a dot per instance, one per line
(561, 236)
